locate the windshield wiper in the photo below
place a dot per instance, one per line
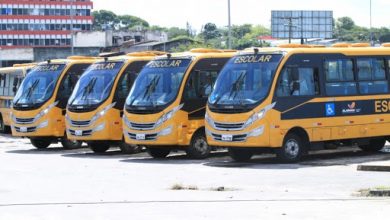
(150, 88)
(86, 90)
(29, 91)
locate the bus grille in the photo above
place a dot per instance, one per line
(29, 130)
(137, 126)
(84, 133)
(236, 138)
(80, 123)
(228, 127)
(24, 120)
(148, 137)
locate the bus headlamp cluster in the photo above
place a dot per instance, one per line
(168, 115)
(256, 116)
(102, 112)
(44, 111)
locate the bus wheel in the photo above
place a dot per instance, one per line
(40, 143)
(70, 144)
(129, 148)
(240, 155)
(99, 147)
(292, 149)
(199, 148)
(158, 153)
(374, 145)
(2, 125)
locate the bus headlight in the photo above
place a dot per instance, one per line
(45, 111)
(209, 120)
(126, 121)
(166, 131)
(168, 115)
(256, 116)
(43, 124)
(102, 112)
(99, 127)
(256, 132)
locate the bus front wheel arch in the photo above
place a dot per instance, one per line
(295, 144)
(198, 148)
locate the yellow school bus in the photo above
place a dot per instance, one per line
(39, 106)
(10, 80)
(166, 105)
(295, 98)
(95, 109)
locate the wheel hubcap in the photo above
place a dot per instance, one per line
(201, 145)
(292, 148)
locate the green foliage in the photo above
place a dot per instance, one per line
(347, 30)
(104, 18)
(174, 32)
(210, 31)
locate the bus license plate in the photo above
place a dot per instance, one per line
(140, 137)
(79, 133)
(227, 137)
(23, 129)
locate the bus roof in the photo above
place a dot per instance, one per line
(145, 55)
(74, 59)
(16, 67)
(200, 53)
(341, 48)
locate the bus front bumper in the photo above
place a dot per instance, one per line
(257, 137)
(166, 136)
(43, 128)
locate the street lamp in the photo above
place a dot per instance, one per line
(230, 27)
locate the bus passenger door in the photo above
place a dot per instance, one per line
(197, 90)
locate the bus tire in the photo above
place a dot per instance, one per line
(374, 145)
(199, 148)
(292, 149)
(158, 153)
(40, 143)
(240, 155)
(99, 147)
(70, 144)
(129, 148)
(2, 125)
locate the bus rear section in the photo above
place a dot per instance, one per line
(10, 80)
(166, 105)
(95, 109)
(39, 106)
(314, 98)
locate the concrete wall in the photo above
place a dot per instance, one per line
(17, 54)
(93, 39)
(42, 54)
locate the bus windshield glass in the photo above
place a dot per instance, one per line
(95, 84)
(39, 84)
(158, 83)
(245, 80)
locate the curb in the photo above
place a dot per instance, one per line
(376, 168)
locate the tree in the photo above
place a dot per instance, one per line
(210, 31)
(130, 21)
(175, 32)
(345, 23)
(104, 18)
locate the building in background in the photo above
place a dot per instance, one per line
(302, 24)
(28, 26)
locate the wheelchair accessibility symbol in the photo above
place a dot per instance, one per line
(330, 109)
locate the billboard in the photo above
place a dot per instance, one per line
(303, 24)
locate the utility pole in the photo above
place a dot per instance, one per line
(290, 26)
(230, 27)
(371, 35)
(71, 26)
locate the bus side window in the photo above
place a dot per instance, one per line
(298, 82)
(200, 84)
(372, 76)
(339, 76)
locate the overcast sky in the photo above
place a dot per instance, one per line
(175, 13)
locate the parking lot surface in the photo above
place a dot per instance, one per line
(78, 184)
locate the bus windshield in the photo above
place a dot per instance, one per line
(158, 83)
(39, 85)
(95, 84)
(245, 80)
